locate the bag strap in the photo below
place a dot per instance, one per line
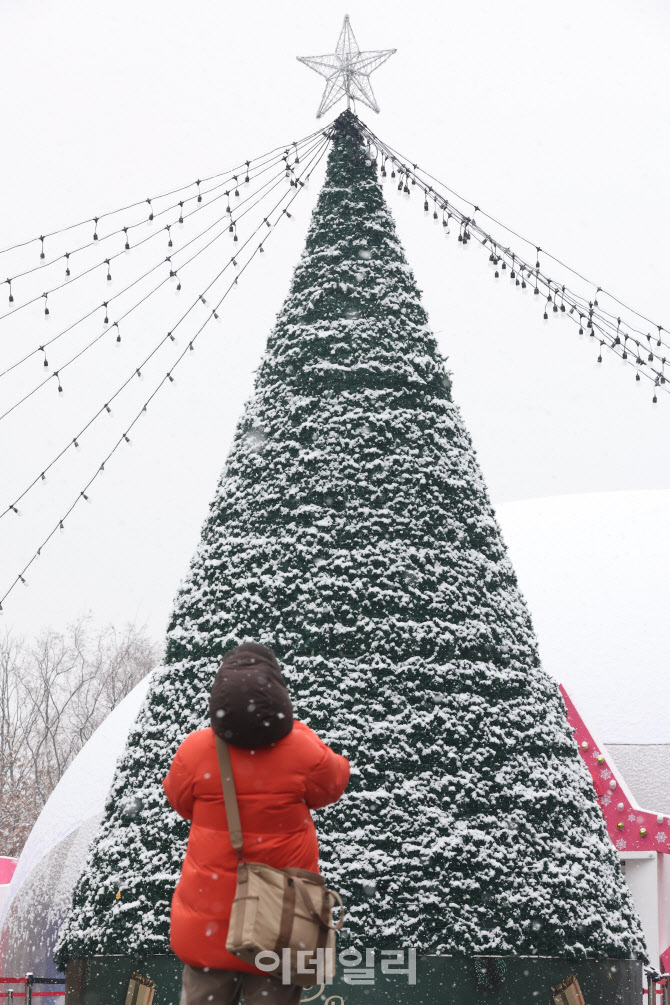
(229, 794)
(315, 916)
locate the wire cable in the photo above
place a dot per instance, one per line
(396, 155)
(164, 195)
(273, 181)
(124, 438)
(69, 282)
(105, 409)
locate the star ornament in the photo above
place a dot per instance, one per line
(347, 71)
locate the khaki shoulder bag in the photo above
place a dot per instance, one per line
(282, 911)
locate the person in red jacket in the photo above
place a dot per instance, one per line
(282, 770)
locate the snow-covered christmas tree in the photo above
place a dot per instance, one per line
(352, 532)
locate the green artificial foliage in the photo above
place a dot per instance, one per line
(352, 531)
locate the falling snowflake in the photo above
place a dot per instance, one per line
(661, 836)
(621, 844)
(631, 817)
(595, 754)
(605, 773)
(606, 799)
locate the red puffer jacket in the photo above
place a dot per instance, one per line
(276, 788)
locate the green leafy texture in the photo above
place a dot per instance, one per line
(352, 532)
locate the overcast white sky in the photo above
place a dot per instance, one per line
(553, 117)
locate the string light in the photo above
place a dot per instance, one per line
(125, 231)
(520, 271)
(261, 158)
(106, 407)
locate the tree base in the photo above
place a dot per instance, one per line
(440, 980)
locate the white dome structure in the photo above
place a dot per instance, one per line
(39, 894)
(592, 568)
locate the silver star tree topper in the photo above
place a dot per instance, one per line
(347, 71)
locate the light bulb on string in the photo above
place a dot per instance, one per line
(139, 374)
(118, 332)
(126, 246)
(68, 274)
(11, 295)
(180, 221)
(42, 255)
(109, 271)
(170, 377)
(46, 306)
(248, 163)
(202, 300)
(108, 409)
(170, 243)
(15, 510)
(85, 497)
(106, 318)
(150, 218)
(46, 361)
(95, 228)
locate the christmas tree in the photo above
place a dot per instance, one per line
(352, 532)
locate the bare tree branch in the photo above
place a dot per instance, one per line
(54, 692)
